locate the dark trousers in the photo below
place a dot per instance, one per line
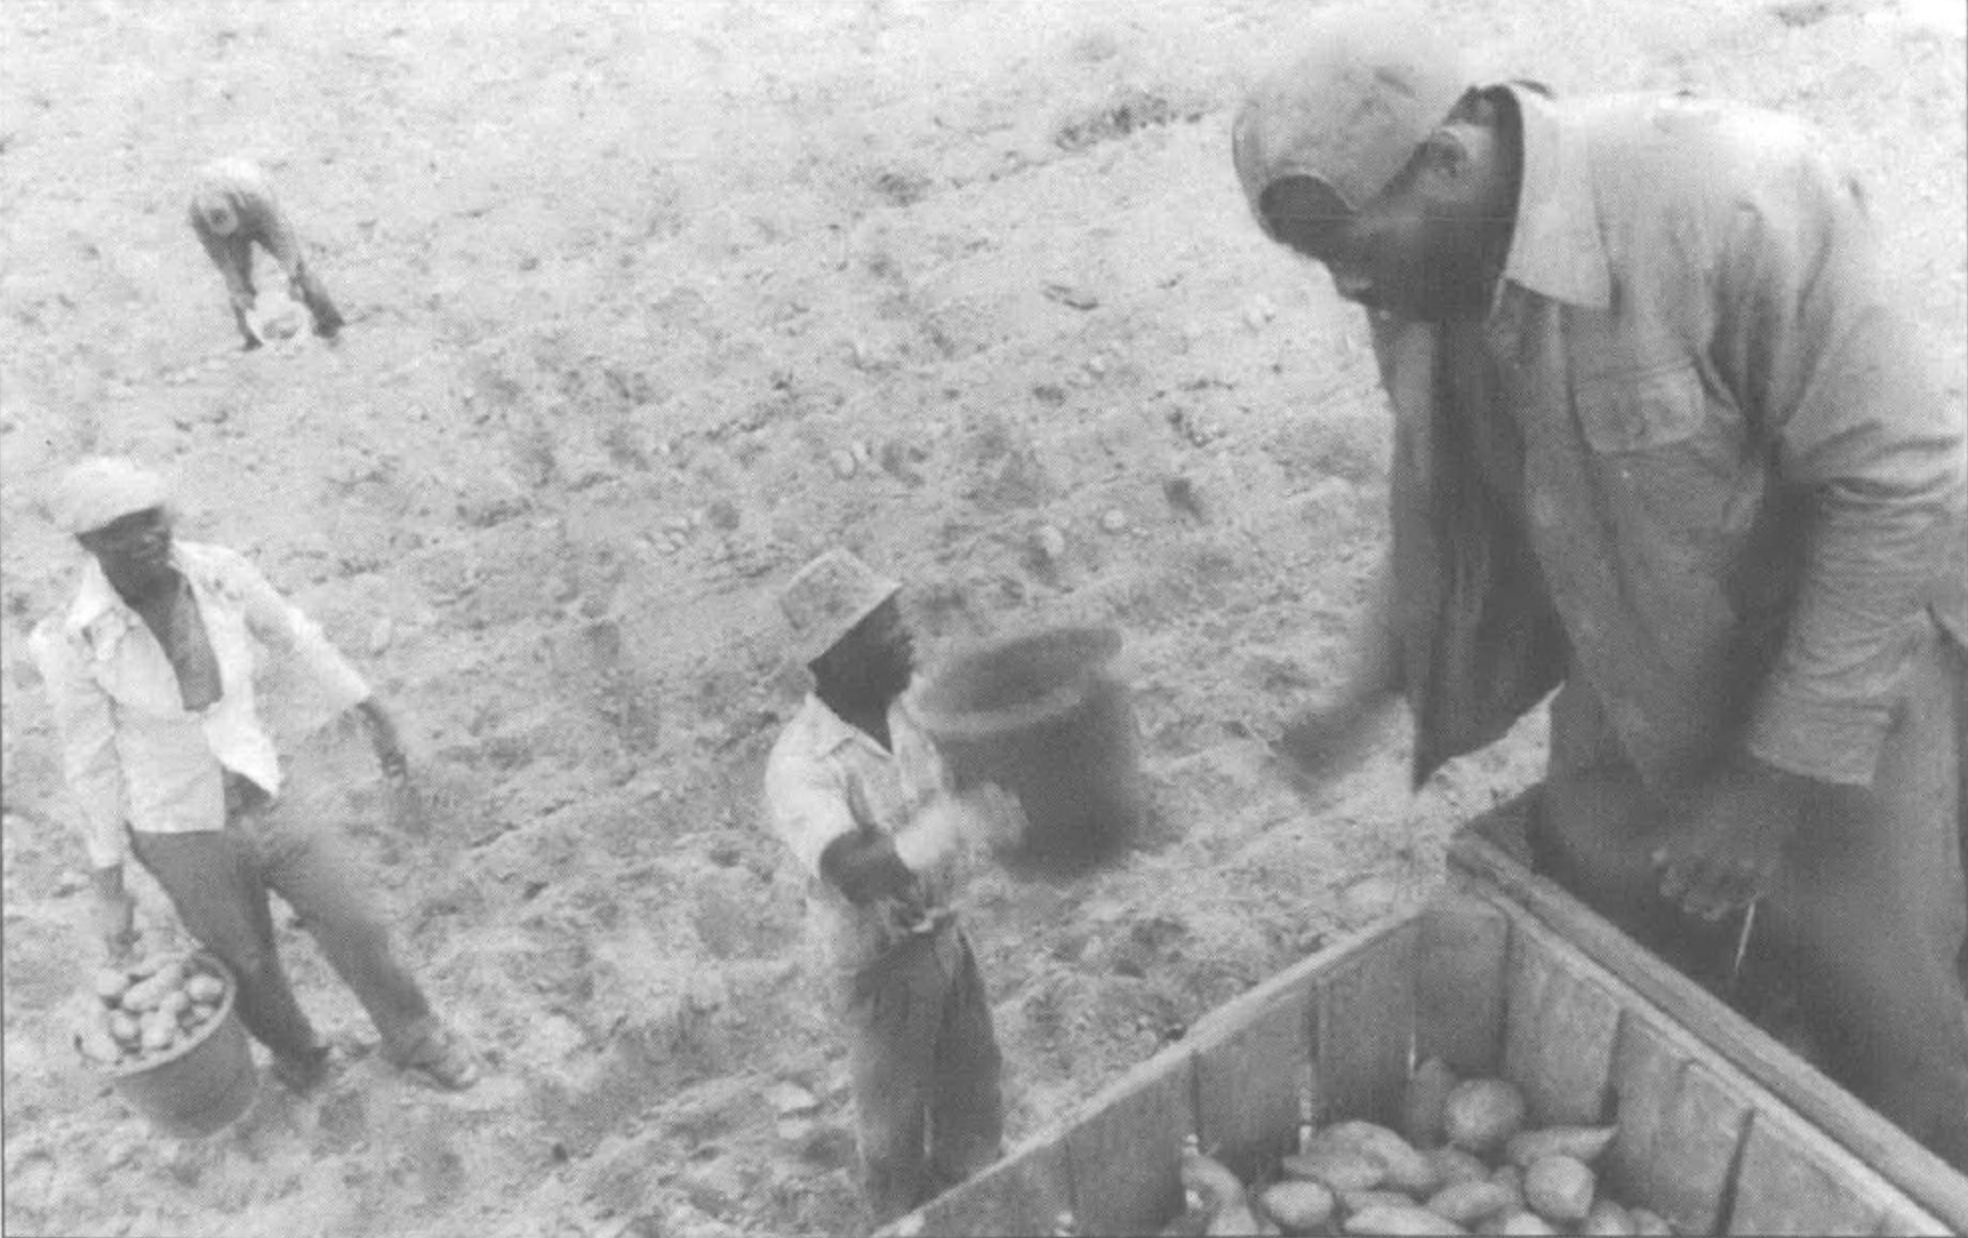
(1867, 920)
(925, 1069)
(219, 881)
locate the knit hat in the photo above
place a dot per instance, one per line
(827, 597)
(1350, 109)
(102, 489)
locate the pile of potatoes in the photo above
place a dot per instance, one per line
(149, 1009)
(1466, 1164)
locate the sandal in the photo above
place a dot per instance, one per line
(448, 1063)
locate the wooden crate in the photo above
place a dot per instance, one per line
(1482, 982)
(1492, 854)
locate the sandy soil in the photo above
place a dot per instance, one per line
(648, 305)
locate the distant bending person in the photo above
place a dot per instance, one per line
(232, 207)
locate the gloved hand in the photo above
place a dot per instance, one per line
(865, 867)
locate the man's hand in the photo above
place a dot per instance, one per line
(864, 867)
(1726, 856)
(114, 916)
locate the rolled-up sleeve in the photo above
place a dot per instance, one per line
(807, 805)
(1830, 375)
(281, 624)
(86, 721)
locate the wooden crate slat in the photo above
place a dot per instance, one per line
(1460, 984)
(1021, 1194)
(1560, 1031)
(1788, 1186)
(1366, 1029)
(1679, 1128)
(1905, 1219)
(1125, 1150)
(1249, 1066)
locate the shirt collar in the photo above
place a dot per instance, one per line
(1555, 249)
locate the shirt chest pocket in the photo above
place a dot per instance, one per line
(1640, 410)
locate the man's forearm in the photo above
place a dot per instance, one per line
(1827, 704)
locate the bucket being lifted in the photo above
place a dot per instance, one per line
(174, 1046)
(1041, 716)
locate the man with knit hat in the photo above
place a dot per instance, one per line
(150, 670)
(856, 790)
(232, 209)
(1663, 442)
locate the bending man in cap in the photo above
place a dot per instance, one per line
(150, 670)
(1664, 442)
(857, 791)
(232, 209)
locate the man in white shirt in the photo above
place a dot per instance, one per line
(150, 672)
(857, 791)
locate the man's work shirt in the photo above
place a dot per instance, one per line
(242, 184)
(131, 750)
(827, 779)
(1692, 455)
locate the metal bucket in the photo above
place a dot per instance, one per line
(206, 1081)
(1041, 716)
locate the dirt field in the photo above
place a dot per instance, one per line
(649, 304)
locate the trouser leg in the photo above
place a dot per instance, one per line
(312, 868)
(235, 261)
(892, 1021)
(314, 294)
(213, 881)
(966, 1116)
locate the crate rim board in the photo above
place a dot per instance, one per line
(1479, 861)
(1049, 1171)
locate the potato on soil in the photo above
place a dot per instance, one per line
(1559, 1188)
(1581, 1143)
(124, 1027)
(1428, 1095)
(98, 1045)
(1467, 1203)
(1410, 1220)
(1299, 1207)
(1526, 1224)
(1481, 1115)
(1407, 1170)
(1341, 1169)
(1607, 1220)
(205, 987)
